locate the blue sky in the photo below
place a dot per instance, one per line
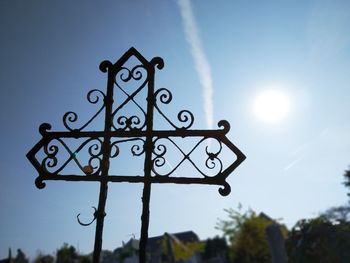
(50, 53)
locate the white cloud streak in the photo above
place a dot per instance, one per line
(294, 162)
(201, 63)
(304, 150)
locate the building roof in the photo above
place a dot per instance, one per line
(154, 243)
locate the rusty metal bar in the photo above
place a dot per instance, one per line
(106, 148)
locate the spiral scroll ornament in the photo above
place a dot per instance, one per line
(211, 167)
(89, 223)
(58, 148)
(185, 117)
(137, 148)
(130, 83)
(94, 97)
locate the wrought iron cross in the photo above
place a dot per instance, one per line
(54, 158)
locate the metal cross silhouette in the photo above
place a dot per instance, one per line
(53, 156)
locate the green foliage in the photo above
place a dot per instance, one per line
(185, 252)
(347, 180)
(181, 251)
(231, 227)
(66, 254)
(85, 259)
(337, 214)
(322, 239)
(41, 258)
(247, 237)
(319, 241)
(124, 253)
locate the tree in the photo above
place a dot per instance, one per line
(322, 239)
(319, 240)
(347, 179)
(20, 257)
(340, 213)
(247, 236)
(337, 214)
(41, 258)
(66, 254)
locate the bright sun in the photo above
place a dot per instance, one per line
(271, 105)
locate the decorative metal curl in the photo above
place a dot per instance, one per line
(160, 150)
(157, 62)
(87, 224)
(225, 190)
(184, 116)
(129, 122)
(52, 149)
(39, 183)
(136, 74)
(212, 157)
(135, 149)
(95, 151)
(211, 162)
(71, 116)
(50, 160)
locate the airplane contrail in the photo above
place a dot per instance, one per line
(303, 150)
(201, 63)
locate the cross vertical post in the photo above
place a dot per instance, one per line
(146, 194)
(106, 148)
(53, 155)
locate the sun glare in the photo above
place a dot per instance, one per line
(271, 105)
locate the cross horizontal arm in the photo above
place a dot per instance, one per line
(158, 157)
(133, 179)
(135, 133)
(136, 179)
